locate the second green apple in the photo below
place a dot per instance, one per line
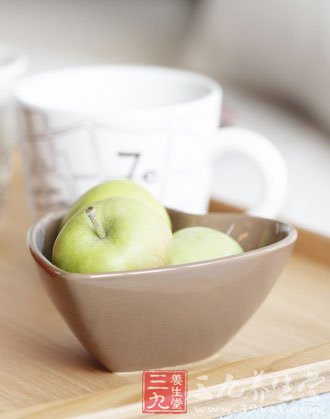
(196, 244)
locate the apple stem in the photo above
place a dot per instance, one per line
(99, 230)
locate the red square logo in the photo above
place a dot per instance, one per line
(164, 391)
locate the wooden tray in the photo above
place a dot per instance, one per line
(283, 352)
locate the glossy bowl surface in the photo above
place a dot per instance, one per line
(164, 317)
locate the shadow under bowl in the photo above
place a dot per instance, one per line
(156, 318)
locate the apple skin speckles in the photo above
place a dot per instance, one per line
(137, 237)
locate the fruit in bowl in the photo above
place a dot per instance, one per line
(129, 230)
(138, 297)
(161, 317)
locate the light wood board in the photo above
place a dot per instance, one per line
(282, 353)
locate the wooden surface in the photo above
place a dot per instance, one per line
(45, 372)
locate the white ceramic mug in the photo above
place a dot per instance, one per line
(156, 125)
(12, 66)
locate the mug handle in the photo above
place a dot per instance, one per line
(264, 155)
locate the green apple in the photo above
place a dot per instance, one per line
(195, 244)
(121, 187)
(116, 234)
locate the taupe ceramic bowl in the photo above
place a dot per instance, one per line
(163, 317)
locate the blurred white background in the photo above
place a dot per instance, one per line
(58, 33)
(272, 58)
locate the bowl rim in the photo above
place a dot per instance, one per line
(31, 237)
